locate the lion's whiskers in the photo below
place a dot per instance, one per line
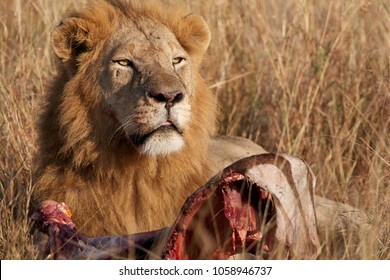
(125, 124)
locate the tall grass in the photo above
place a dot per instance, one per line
(308, 77)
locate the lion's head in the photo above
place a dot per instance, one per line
(127, 115)
(147, 65)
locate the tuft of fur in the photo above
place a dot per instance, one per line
(110, 186)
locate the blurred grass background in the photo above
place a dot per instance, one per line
(305, 77)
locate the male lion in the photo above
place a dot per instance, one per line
(124, 133)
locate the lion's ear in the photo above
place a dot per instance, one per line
(71, 38)
(194, 35)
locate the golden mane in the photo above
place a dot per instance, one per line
(110, 187)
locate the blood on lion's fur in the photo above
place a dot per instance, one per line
(84, 158)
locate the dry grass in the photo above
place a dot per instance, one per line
(310, 78)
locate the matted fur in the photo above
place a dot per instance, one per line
(110, 186)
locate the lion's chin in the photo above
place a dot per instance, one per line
(161, 143)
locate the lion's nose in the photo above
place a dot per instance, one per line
(171, 97)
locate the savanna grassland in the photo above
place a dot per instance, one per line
(305, 77)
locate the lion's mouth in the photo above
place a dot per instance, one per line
(140, 139)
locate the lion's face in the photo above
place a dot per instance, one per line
(147, 85)
(145, 77)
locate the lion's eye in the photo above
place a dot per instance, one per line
(124, 62)
(177, 60)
